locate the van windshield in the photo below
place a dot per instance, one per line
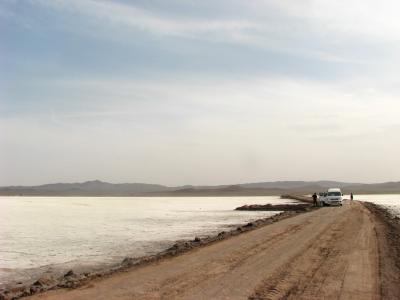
(334, 194)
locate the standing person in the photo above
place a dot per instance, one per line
(351, 196)
(314, 197)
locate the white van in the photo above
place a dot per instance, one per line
(333, 196)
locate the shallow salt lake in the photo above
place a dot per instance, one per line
(389, 201)
(48, 232)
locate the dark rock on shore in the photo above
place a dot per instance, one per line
(298, 198)
(278, 207)
(45, 281)
(69, 273)
(127, 261)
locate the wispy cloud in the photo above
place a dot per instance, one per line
(141, 19)
(286, 103)
(366, 18)
(360, 19)
(264, 31)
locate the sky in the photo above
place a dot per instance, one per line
(181, 92)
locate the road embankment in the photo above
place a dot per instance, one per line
(327, 253)
(388, 234)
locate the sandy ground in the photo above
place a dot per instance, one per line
(330, 253)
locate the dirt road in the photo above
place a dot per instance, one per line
(330, 253)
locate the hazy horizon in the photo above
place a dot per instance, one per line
(199, 93)
(200, 185)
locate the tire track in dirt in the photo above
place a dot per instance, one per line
(231, 262)
(286, 280)
(321, 271)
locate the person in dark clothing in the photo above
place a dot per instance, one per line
(351, 196)
(315, 197)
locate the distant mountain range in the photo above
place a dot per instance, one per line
(100, 188)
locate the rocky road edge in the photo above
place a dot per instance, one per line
(277, 207)
(388, 233)
(73, 280)
(303, 204)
